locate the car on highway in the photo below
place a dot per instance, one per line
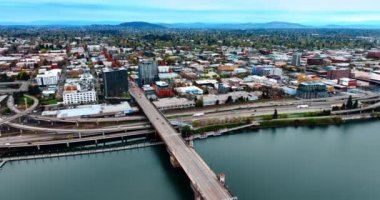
(198, 114)
(302, 106)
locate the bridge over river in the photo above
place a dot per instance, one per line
(203, 180)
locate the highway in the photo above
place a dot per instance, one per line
(272, 104)
(370, 107)
(12, 107)
(87, 120)
(203, 179)
(24, 86)
(35, 143)
(112, 129)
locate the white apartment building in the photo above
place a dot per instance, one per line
(50, 77)
(78, 97)
(75, 94)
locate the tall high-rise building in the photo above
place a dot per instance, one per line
(296, 59)
(148, 72)
(115, 82)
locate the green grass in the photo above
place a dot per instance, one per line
(293, 115)
(49, 102)
(21, 101)
(301, 122)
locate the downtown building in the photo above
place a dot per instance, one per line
(50, 77)
(148, 72)
(74, 94)
(115, 82)
(80, 91)
(296, 59)
(311, 90)
(339, 73)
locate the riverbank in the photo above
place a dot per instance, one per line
(286, 122)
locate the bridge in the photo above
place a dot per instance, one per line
(203, 180)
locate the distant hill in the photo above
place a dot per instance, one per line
(280, 25)
(141, 25)
(200, 25)
(269, 25)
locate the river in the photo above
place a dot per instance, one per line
(330, 162)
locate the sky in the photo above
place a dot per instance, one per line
(189, 11)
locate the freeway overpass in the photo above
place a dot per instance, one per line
(203, 180)
(51, 142)
(19, 113)
(12, 107)
(357, 110)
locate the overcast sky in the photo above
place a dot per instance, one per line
(170, 11)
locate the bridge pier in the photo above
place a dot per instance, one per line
(173, 160)
(77, 123)
(191, 142)
(197, 195)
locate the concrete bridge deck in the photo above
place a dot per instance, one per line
(357, 110)
(203, 180)
(12, 107)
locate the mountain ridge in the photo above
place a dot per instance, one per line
(200, 25)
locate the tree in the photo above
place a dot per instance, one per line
(5, 78)
(349, 103)
(275, 114)
(186, 130)
(199, 103)
(356, 104)
(229, 99)
(34, 90)
(23, 76)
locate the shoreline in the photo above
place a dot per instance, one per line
(293, 123)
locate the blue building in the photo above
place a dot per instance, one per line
(148, 72)
(311, 90)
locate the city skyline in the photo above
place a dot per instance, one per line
(211, 11)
